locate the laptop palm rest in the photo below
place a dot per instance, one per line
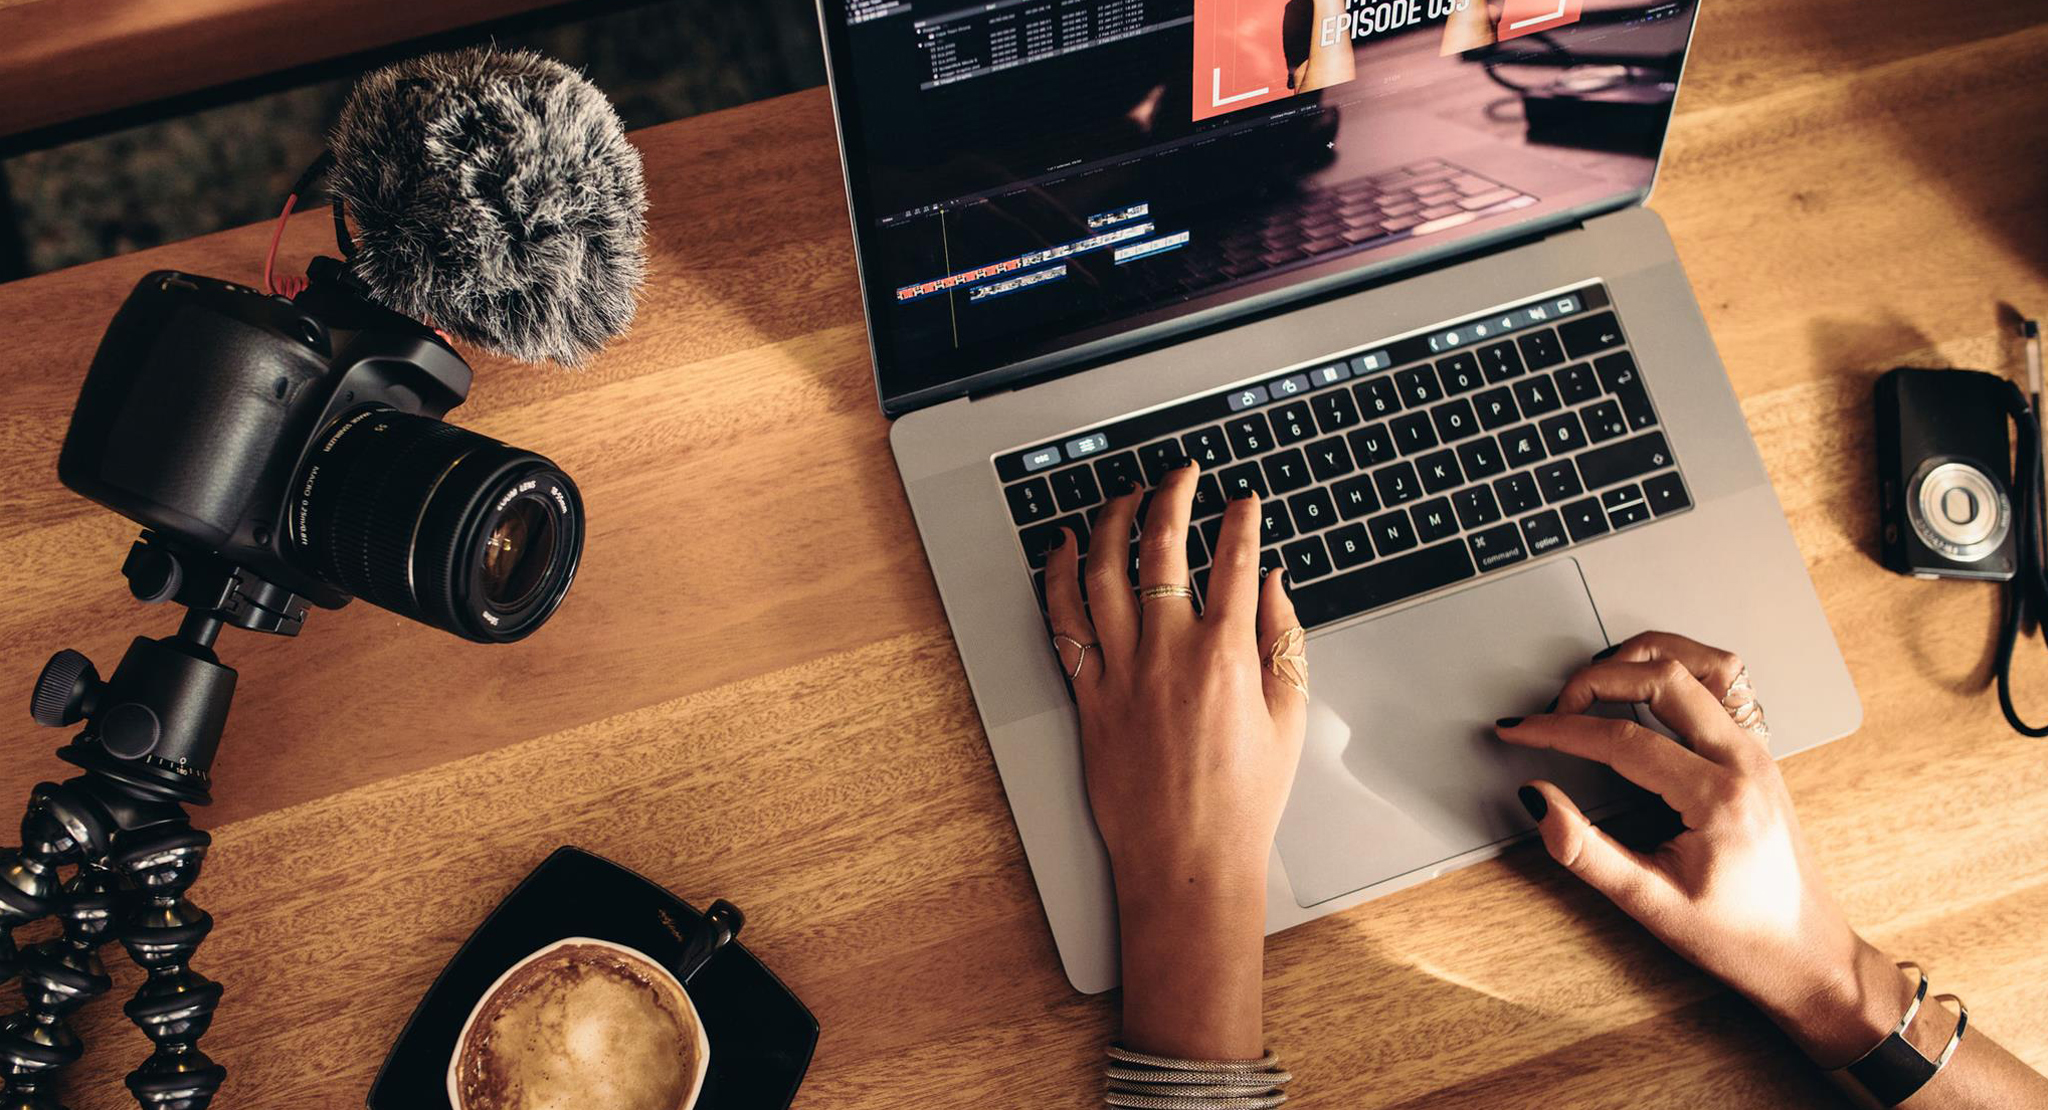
(1401, 771)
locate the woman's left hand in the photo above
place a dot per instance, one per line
(1189, 743)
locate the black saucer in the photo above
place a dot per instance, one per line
(761, 1036)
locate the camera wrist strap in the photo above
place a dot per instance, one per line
(2026, 595)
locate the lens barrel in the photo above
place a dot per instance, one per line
(432, 522)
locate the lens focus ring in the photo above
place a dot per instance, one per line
(408, 513)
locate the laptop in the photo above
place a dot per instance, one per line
(1318, 247)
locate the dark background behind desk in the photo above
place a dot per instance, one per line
(751, 693)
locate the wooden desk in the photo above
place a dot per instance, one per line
(62, 60)
(752, 694)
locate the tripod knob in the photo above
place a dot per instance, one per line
(65, 690)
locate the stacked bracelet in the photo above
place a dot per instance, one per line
(1142, 1082)
(1894, 1071)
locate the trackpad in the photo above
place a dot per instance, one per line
(1401, 770)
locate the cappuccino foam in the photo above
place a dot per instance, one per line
(585, 1027)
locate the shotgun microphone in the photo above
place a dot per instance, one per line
(494, 195)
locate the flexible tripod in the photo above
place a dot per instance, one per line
(147, 749)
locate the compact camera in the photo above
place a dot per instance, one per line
(1944, 460)
(300, 442)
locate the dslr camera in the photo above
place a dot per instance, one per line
(281, 452)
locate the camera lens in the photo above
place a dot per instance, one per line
(443, 525)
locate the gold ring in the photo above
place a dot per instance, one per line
(1078, 659)
(1150, 593)
(1288, 659)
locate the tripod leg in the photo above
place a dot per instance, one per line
(63, 825)
(175, 1005)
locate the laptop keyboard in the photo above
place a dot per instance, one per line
(1396, 470)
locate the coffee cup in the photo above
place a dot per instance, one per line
(590, 1024)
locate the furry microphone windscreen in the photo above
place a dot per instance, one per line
(494, 196)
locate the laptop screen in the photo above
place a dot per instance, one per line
(1043, 180)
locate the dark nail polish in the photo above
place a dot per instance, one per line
(1534, 801)
(1507, 722)
(1605, 652)
(1184, 464)
(1552, 707)
(1059, 540)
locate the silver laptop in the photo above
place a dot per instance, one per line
(1397, 281)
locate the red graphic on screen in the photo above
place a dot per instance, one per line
(1238, 59)
(1526, 17)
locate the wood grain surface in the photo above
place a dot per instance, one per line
(752, 693)
(62, 60)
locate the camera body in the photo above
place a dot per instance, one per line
(205, 398)
(1944, 461)
(300, 443)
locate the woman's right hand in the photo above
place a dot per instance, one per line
(1737, 892)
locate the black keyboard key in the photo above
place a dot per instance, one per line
(1269, 561)
(1584, 519)
(1198, 549)
(1038, 584)
(1413, 432)
(1618, 375)
(1306, 560)
(1496, 408)
(1212, 531)
(1372, 444)
(1350, 546)
(1329, 459)
(1559, 480)
(1439, 470)
(1286, 471)
(1391, 532)
(1356, 497)
(1074, 488)
(1381, 583)
(1040, 538)
(1621, 495)
(1667, 494)
(1208, 447)
(1543, 532)
(1242, 481)
(1119, 473)
(1434, 519)
(1334, 410)
(1522, 446)
(1454, 420)
(1482, 459)
(1590, 334)
(1562, 433)
(1397, 483)
(1460, 373)
(1273, 523)
(1500, 362)
(1377, 397)
(1159, 459)
(1497, 547)
(1537, 396)
(1249, 434)
(1476, 506)
(1209, 500)
(1635, 512)
(1418, 386)
(1604, 466)
(1030, 501)
(1576, 383)
(1312, 510)
(1292, 423)
(1518, 493)
(1540, 350)
(1603, 421)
